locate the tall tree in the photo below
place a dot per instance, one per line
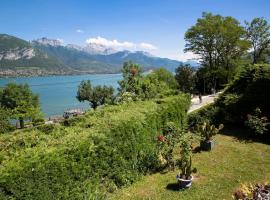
(219, 43)
(98, 95)
(21, 102)
(185, 76)
(131, 79)
(258, 33)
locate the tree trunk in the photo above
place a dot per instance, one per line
(21, 123)
(254, 57)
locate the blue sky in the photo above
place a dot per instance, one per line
(136, 24)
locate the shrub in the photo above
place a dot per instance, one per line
(257, 123)
(81, 162)
(245, 93)
(209, 113)
(5, 126)
(171, 135)
(46, 128)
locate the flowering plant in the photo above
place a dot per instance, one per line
(167, 142)
(257, 122)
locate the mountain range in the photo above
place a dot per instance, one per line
(50, 57)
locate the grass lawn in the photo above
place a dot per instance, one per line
(220, 172)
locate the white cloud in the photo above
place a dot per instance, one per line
(183, 56)
(147, 46)
(79, 31)
(115, 44)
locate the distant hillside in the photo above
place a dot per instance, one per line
(17, 56)
(50, 56)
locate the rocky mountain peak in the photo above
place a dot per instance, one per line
(51, 42)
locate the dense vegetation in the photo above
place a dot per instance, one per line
(20, 104)
(222, 44)
(241, 97)
(104, 150)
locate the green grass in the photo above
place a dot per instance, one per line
(220, 173)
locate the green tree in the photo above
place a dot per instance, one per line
(159, 82)
(97, 95)
(258, 33)
(185, 76)
(131, 79)
(165, 76)
(20, 102)
(219, 42)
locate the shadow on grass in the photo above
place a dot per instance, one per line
(197, 149)
(244, 135)
(173, 187)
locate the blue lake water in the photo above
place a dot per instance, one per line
(58, 93)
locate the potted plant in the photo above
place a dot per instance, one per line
(207, 131)
(185, 164)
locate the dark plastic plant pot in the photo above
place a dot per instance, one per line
(183, 183)
(207, 145)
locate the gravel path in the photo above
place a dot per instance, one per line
(195, 102)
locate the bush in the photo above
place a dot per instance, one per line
(5, 126)
(257, 123)
(46, 128)
(248, 91)
(209, 113)
(81, 162)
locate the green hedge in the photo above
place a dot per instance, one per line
(107, 149)
(249, 90)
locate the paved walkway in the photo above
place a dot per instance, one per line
(195, 102)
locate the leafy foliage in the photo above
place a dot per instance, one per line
(21, 102)
(245, 93)
(131, 79)
(185, 162)
(135, 86)
(207, 131)
(219, 43)
(102, 151)
(256, 122)
(167, 141)
(5, 126)
(185, 76)
(98, 95)
(258, 33)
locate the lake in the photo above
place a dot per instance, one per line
(58, 93)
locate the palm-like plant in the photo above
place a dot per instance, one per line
(207, 131)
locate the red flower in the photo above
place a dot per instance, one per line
(161, 138)
(133, 71)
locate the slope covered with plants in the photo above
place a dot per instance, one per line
(99, 152)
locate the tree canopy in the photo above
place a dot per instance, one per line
(20, 102)
(219, 42)
(185, 76)
(131, 79)
(97, 95)
(258, 33)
